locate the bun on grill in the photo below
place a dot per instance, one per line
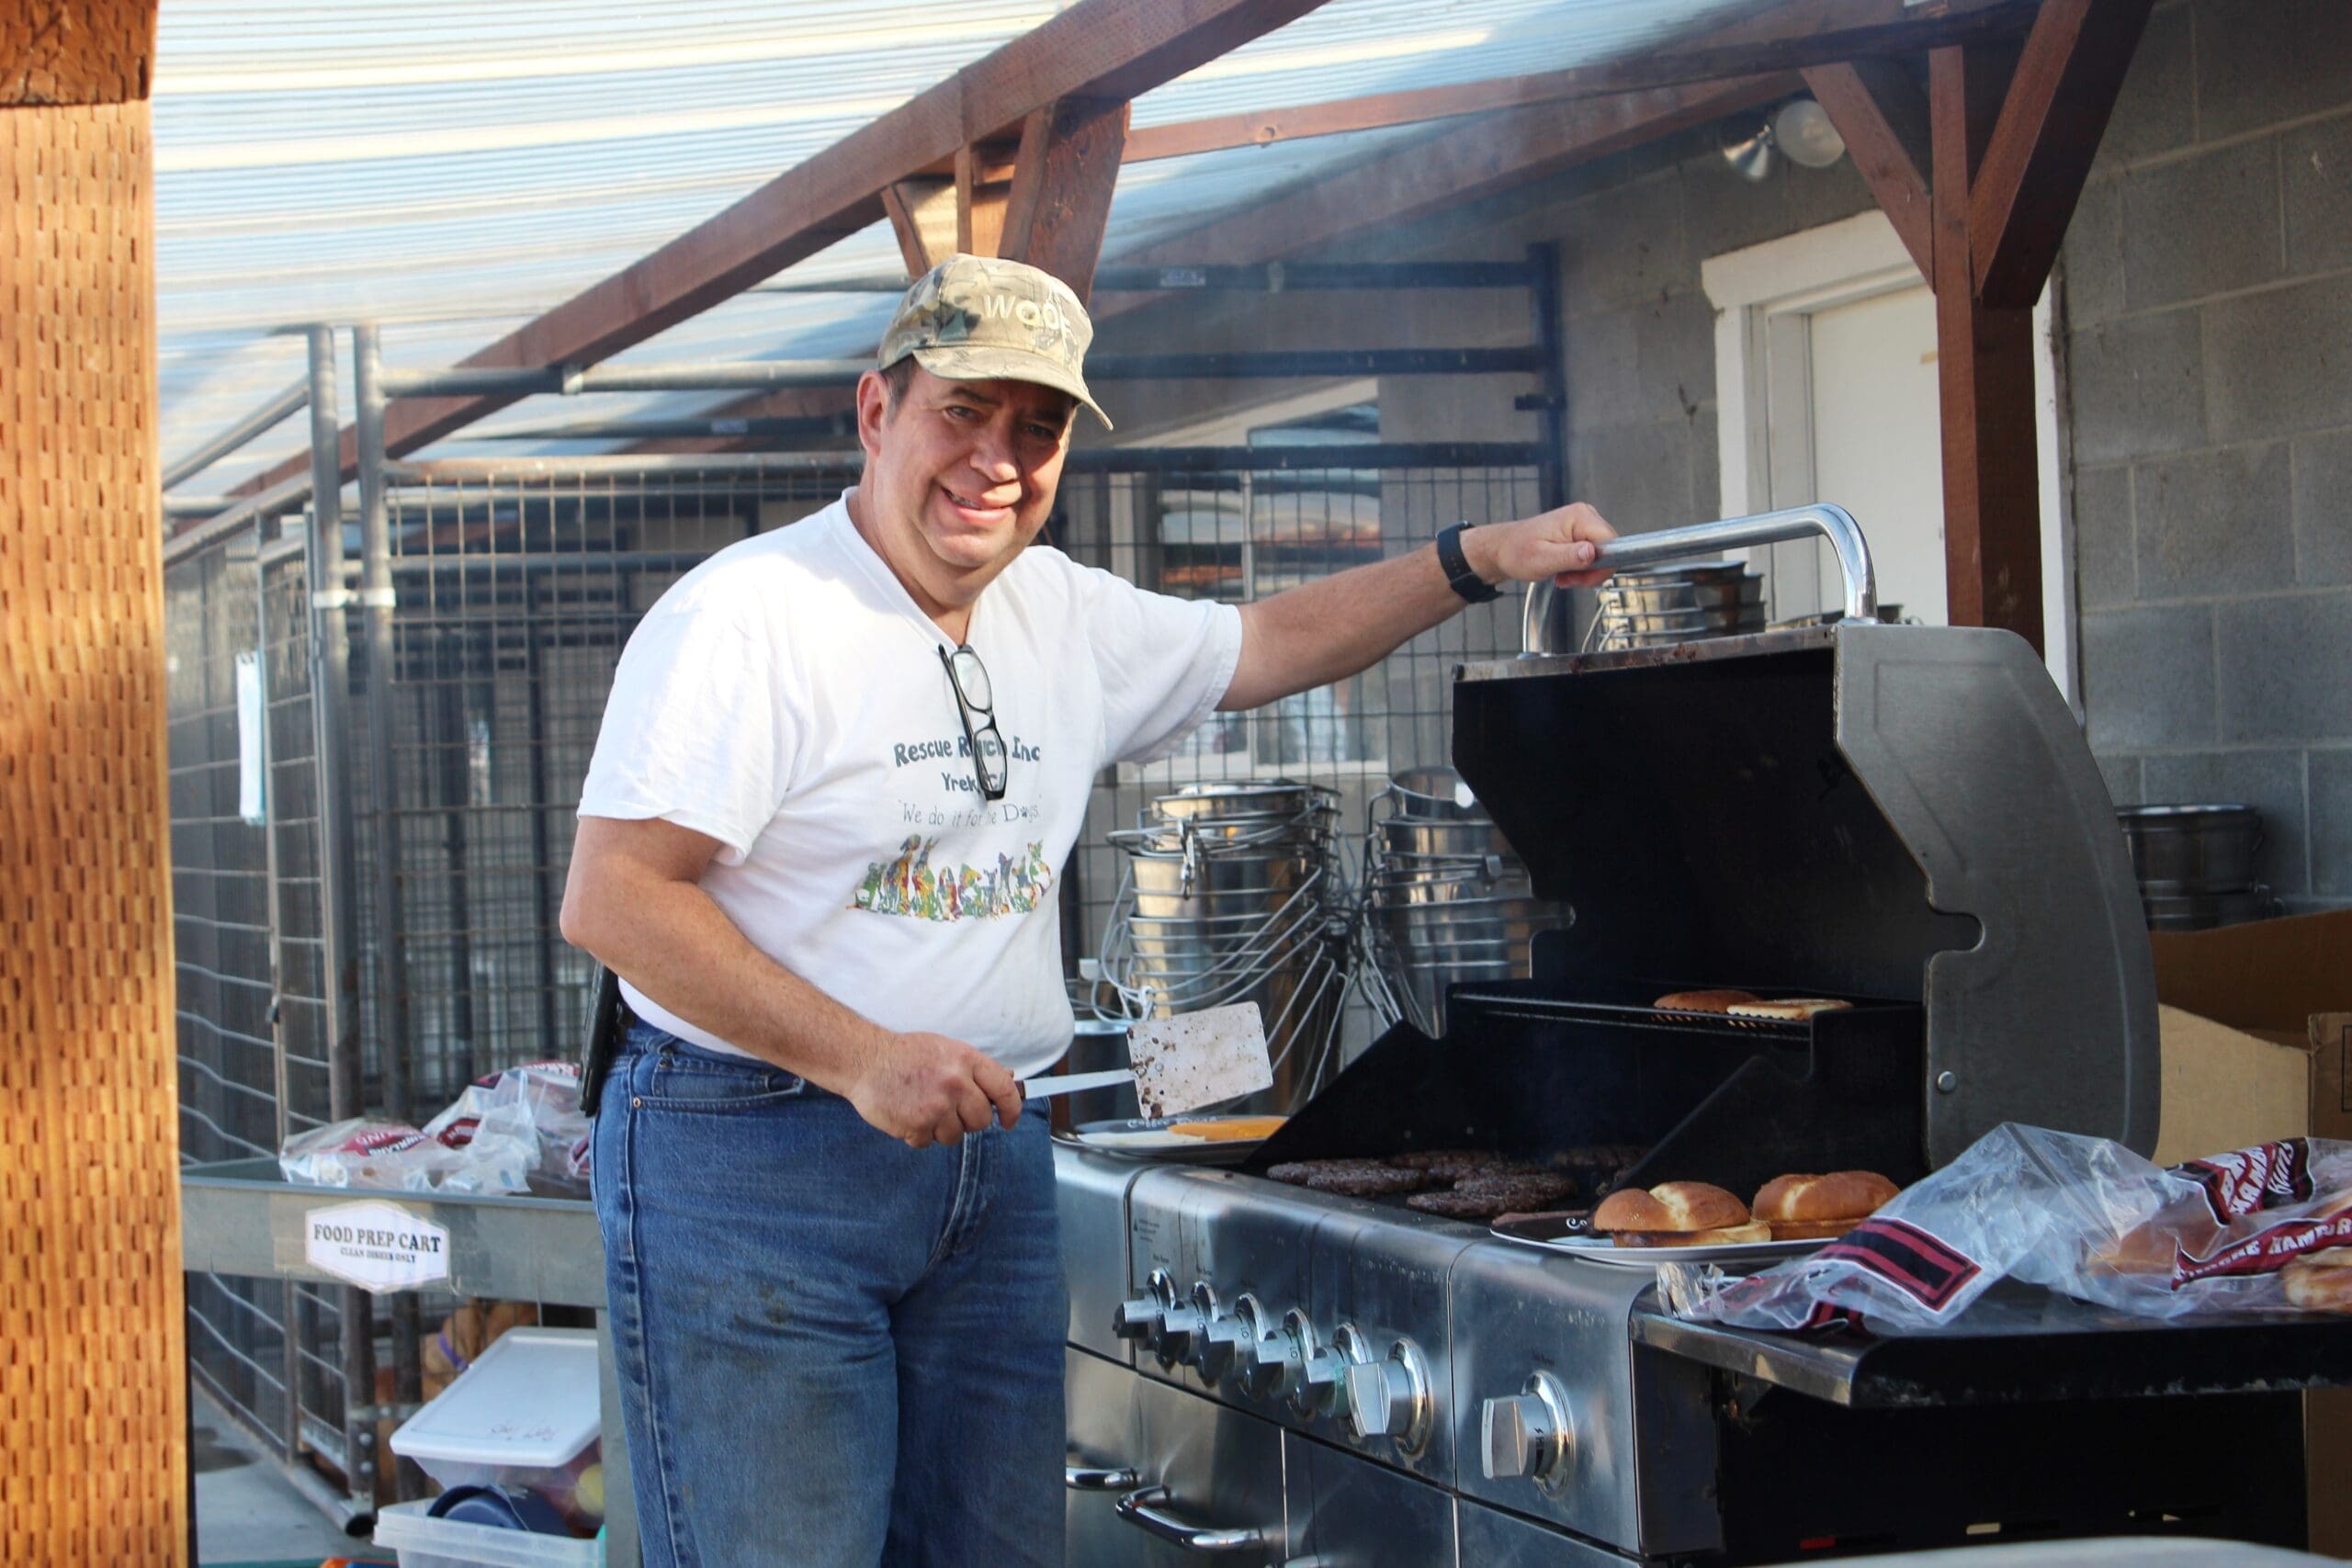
(1808, 1208)
(1788, 1006)
(1671, 1208)
(1702, 1001)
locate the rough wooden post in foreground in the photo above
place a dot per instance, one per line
(93, 1381)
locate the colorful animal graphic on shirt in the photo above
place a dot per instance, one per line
(912, 886)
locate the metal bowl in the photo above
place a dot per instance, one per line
(1277, 798)
(1434, 792)
(1466, 840)
(1665, 598)
(2194, 848)
(2203, 911)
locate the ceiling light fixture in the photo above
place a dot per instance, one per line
(1800, 128)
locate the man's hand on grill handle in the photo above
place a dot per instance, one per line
(929, 1089)
(1328, 627)
(1560, 545)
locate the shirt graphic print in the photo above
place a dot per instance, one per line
(914, 887)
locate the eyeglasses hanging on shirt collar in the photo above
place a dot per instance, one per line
(976, 706)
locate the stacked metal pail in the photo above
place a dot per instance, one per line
(1231, 894)
(1447, 901)
(1655, 606)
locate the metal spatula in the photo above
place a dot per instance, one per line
(1181, 1064)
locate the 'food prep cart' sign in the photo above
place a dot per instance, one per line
(377, 1246)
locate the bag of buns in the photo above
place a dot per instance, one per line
(2254, 1229)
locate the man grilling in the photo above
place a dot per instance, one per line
(837, 768)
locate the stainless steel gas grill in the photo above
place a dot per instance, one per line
(1904, 818)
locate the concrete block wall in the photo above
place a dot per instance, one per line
(2207, 298)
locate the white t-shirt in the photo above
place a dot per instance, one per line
(786, 698)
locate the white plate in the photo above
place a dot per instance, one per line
(1153, 1140)
(1601, 1249)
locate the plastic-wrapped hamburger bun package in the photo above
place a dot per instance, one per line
(2257, 1229)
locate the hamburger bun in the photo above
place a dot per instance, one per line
(2318, 1287)
(1791, 1007)
(1702, 1001)
(1847, 1196)
(1676, 1213)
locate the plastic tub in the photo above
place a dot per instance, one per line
(524, 1414)
(423, 1542)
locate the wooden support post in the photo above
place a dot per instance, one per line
(2013, 142)
(93, 1324)
(1984, 366)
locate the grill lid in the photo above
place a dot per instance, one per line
(1904, 812)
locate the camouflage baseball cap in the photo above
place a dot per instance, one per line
(983, 319)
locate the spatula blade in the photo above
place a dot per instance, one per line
(1200, 1058)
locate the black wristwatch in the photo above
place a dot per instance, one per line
(1458, 575)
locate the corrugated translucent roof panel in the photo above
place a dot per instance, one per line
(452, 169)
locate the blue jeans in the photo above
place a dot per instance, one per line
(832, 1348)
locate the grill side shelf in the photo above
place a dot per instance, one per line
(2020, 1345)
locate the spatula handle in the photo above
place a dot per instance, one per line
(1046, 1086)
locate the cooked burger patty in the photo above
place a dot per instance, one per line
(1460, 1205)
(1348, 1177)
(1445, 1165)
(1522, 1190)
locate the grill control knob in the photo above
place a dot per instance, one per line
(1321, 1388)
(1277, 1354)
(1138, 1319)
(1146, 1317)
(1528, 1435)
(1391, 1399)
(1221, 1336)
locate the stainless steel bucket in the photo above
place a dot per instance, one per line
(2192, 849)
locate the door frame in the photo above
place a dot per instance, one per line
(1762, 295)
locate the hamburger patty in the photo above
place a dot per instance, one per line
(1348, 1177)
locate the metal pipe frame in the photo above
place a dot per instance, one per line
(780, 374)
(338, 866)
(283, 496)
(841, 424)
(290, 1441)
(259, 422)
(395, 1036)
(491, 471)
(1272, 278)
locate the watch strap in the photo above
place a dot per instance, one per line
(1472, 588)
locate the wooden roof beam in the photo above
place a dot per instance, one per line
(1882, 114)
(1461, 165)
(2040, 148)
(1793, 36)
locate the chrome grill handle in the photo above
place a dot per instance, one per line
(1099, 1478)
(1146, 1510)
(1832, 523)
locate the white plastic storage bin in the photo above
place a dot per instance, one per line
(423, 1542)
(524, 1414)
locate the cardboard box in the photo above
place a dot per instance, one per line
(2248, 1011)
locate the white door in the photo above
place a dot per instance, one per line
(1825, 390)
(1877, 444)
